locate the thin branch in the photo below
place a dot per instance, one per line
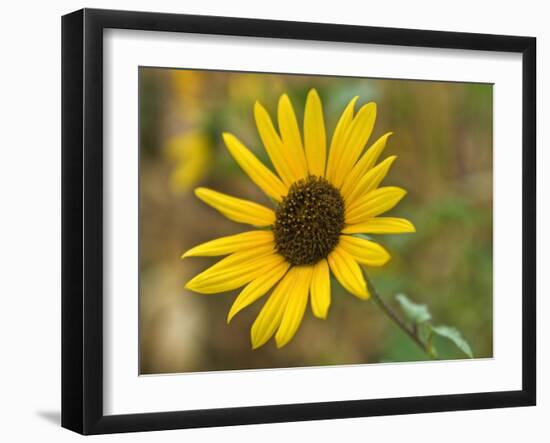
(411, 332)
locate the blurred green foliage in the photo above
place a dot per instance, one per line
(443, 140)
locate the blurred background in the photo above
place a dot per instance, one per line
(443, 141)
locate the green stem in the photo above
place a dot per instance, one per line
(411, 332)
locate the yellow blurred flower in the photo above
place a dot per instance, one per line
(187, 83)
(188, 87)
(246, 87)
(323, 201)
(191, 155)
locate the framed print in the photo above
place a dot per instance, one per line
(273, 221)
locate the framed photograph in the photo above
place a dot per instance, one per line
(270, 221)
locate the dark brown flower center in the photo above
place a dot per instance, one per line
(309, 221)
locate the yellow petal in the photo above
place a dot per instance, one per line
(370, 181)
(295, 307)
(348, 273)
(314, 135)
(272, 312)
(337, 144)
(290, 134)
(365, 163)
(224, 277)
(364, 251)
(381, 225)
(273, 145)
(238, 258)
(256, 170)
(356, 139)
(257, 288)
(237, 209)
(374, 203)
(320, 289)
(230, 244)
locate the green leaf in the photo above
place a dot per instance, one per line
(455, 336)
(415, 312)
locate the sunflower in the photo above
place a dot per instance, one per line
(321, 206)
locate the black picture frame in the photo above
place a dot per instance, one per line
(82, 220)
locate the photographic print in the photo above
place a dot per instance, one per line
(298, 220)
(269, 221)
